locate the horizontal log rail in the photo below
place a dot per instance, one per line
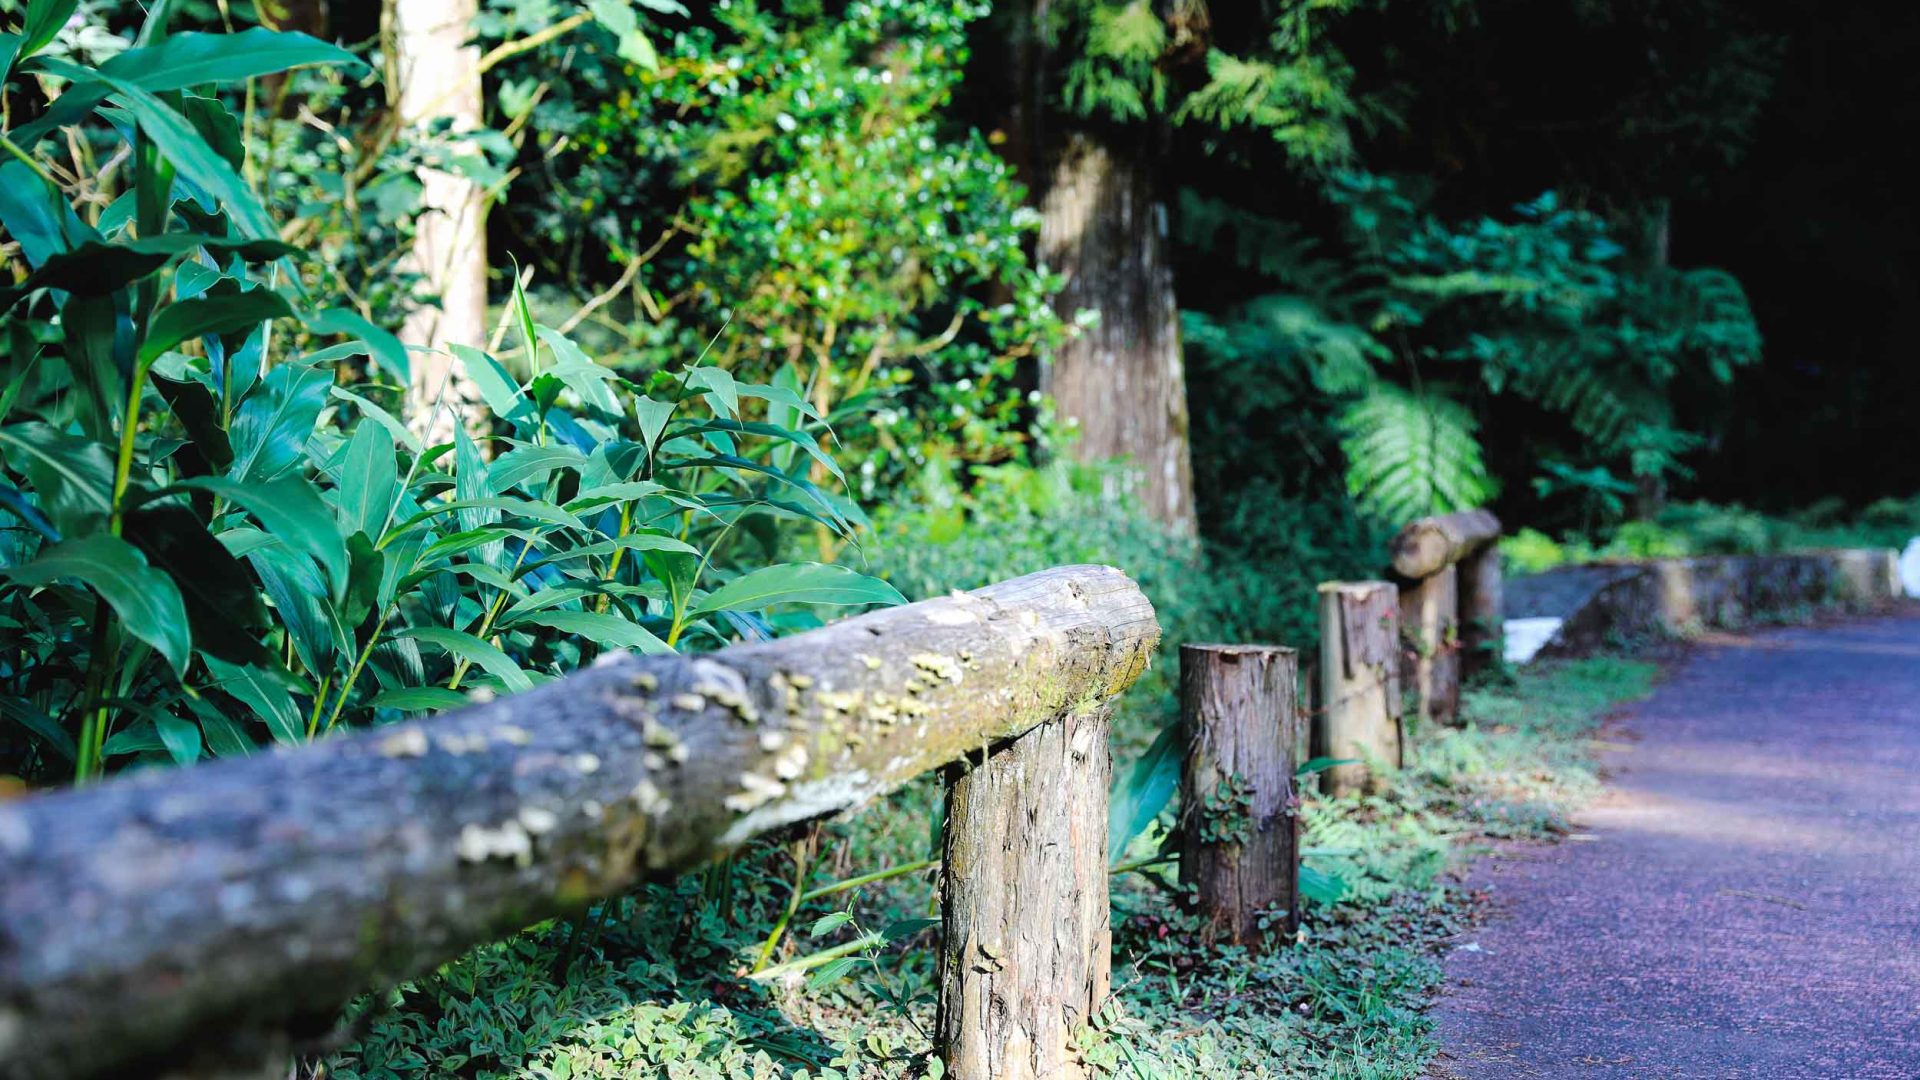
(215, 915)
(1431, 544)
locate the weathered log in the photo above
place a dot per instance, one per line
(204, 913)
(1240, 847)
(1027, 945)
(1431, 544)
(1482, 610)
(1429, 618)
(1359, 712)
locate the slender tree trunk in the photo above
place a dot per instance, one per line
(1121, 381)
(439, 78)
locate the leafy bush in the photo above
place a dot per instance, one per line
(218, 543)
(785, 180)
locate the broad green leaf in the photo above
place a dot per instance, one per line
(369, 479)
(386, 349)
(300, 598)
(97, 267)
(609, 493)
(196, 59)
(263, 691)
(1144, 792)
(38, 217)
(272, 425)
(727, 461)
(419, 699)
(147, 601)
(27, 715)
(487, 575)
(472, 649)
(72, 476)
(216, 314)
(722, 394)
(609, 631)
(787, 398)
(798, 583)
(44, 20)
(187, 152)
(1321, 887)
(640, 541)
(653, 416)
(380, 416)
(902, 929)
(179, 735)
(532, 463)
(502, 395)
(225, 738)
(224, 610)
(532, 509)
(9, 51)
(833, 971)
(582, 375)
(555, 595)
(827, 924)
(772, 431)
(294, 513)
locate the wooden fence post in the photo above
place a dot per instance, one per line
(1482, 614)
(1026, 944)
(1241, 847)
(1359, 714)
(1429, 615)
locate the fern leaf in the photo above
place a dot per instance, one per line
(1408, 455)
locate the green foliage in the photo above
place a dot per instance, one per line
(784, 182)
(1133, 61)
(1704, 528)
(1545, 309)
(1408, 456)
(217, 543)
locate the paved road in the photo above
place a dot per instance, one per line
(1745, 900)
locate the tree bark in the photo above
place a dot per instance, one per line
(439, 76)
(1426, 546)
(1359, 715)
(1122, 380)
(1429, 616)
(203, 914)
(1240, 813)
(1482, 611)
(1027, 944)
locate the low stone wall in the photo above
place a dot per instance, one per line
(1610, 603)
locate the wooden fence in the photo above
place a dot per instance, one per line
(1416, 637)
(202, 922)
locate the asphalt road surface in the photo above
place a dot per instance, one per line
(1743, 902)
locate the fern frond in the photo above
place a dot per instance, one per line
(1411, 455)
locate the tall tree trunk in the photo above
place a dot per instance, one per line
(439, 76)
(1122, 380)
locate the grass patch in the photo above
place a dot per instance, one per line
(659, 992)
